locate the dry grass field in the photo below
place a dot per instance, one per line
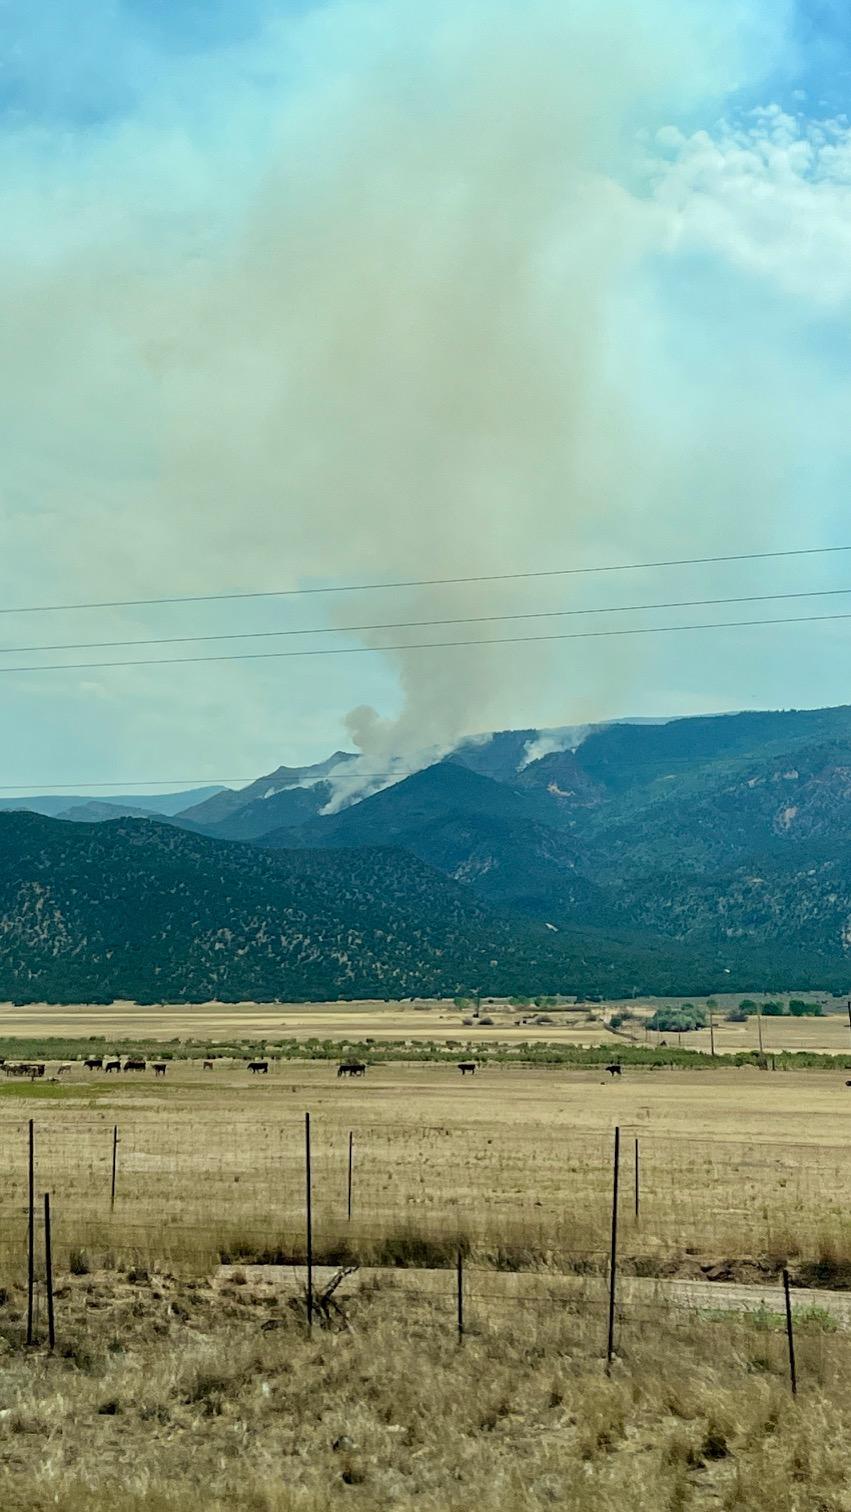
(181, 1384)
(169, 1395)
(737, 1165)
(430, 1019)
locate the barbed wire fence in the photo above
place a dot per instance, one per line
(148, 1191)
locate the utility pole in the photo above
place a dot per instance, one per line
(711, 1032)
(759, 1032)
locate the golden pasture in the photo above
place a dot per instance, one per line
(429, 1019)
(735, 1164)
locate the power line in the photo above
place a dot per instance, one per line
(503, 640)
(37, 789)
(490, 577)
(479, 619)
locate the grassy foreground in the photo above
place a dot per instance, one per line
(212, 1397)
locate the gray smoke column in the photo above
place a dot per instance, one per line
(417, 343)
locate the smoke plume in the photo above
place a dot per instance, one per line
(421, 334)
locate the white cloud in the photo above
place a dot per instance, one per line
(769, 192)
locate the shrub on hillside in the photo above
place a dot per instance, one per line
(679, 1020)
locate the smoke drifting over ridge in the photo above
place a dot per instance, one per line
(421, 339)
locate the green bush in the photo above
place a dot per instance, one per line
(799, 1009)
(678, 1020)
(773, 1010)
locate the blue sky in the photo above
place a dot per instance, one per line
(300, 293)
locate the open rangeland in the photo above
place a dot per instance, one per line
(184, 1376)
(738, 1167)
(432, 1019)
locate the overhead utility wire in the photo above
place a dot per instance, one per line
(478, 619)
(502, 640)
(489, 577)
(36, 789)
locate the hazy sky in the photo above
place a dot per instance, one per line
(301, 294)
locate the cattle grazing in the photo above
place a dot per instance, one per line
(134, 1064)
(465, 1066)
(848, 1084)
(351, 1068)
(614, 1069)
(32, 1069)
(94, 1063)
(60, 1070)
(159, 1068)
(208, 1066)
(112, 1065)
(256, 1066)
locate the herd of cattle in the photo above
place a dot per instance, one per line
(36, 1069)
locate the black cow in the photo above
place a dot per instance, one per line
(94, 1063)
(160, 1068)
(256, 1066)
(112, 1065)
(614, 1069)
(134, 1064)
(465, 1066)
(208, 1066)
(351, 1068)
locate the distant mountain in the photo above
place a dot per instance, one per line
(503, 842)
(97, 811)
(56, 804)
(287, 809)
(142, 910)
(655, 829)
(218, 810)
(710, 844)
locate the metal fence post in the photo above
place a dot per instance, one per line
(349, 1205)
(114, 1166)
(793, 1374)
(637, 1187)
(309, 1219)
(613, 1257)
(31, 1232)
(48, 1273)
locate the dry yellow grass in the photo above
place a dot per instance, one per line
(427, 1019)
(177, 1391)
(737, 1164)
(203, 1397)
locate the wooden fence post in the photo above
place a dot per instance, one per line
(459, 1277)
(48, 1273)
(31, 1233)
(613, 1257)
